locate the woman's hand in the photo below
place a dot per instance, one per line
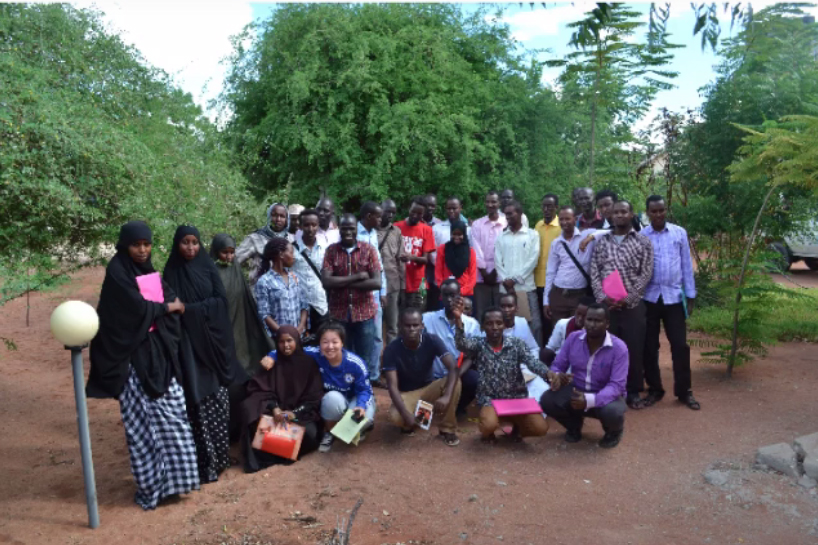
(360, 413)
(176, 306)
(267, 362)
(280, 416)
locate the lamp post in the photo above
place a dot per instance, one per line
(74, 323)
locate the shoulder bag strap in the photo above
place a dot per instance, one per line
(576, 262)
(309, 261)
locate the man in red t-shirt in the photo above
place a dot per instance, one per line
(418, 242)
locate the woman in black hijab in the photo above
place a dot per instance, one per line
(292, 388)
(456, 259)
(208, 355)
(134, 358)
(251, 342)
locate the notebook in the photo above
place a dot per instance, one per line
(150, 286)
(280, 439)
(514, 407)
(613, 286)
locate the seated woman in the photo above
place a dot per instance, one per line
(499, 359)
(207, 357)
(250, 340)
(132, 360)
(292, 389)
(456, 259)
(280, 299)
(345, 377)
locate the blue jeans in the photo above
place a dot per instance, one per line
(373, 362)
(360, 338)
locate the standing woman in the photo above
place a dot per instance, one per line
(138, 365)
(290, 391)
(208, 356)
(251, 342)
(280, 298)
(456, 259)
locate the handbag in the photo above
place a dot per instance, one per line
(588, 289)
(279, 439)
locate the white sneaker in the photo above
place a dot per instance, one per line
(326, 442)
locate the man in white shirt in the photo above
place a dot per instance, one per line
(309, 258)
(516, 253)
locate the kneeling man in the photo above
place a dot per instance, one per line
(408, 363)
(600, 371)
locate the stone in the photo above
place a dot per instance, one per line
(811, 467)
(780, 457)
(716, 477)
(807, 482)
(806, 445)
(473, 498)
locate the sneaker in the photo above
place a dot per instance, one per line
(573, 436)
(610, 440)
(326, 442)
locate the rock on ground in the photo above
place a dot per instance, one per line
(806, 447)
(780, 457)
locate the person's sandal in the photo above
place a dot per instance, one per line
(490, 440)
(635, 402)
(652, 399)
(450, 439)
(691, 402)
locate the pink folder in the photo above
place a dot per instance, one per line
(513, 407)
(150, 286)
(613, 286)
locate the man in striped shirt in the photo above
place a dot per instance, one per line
(668, 299)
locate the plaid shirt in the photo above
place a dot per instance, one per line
(633, 258)
(281, 302)
(347, 304)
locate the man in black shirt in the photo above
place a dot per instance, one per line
(408, 363)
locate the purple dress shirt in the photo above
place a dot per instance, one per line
(672, 266)
(601, 375)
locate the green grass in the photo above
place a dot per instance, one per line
(783, 318)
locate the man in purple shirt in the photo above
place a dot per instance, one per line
(670, 289)
(599, 362)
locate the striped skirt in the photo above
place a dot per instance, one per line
(160, 442)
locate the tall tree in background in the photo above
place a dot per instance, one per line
(611, 74)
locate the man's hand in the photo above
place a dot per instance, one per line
(442, 404)
(558, 380)
(361, 276)
(578, 400)
(546, 310)
(408, 420)
(267, 362)
(509, 283)
(585, 242)
(690, 304)
(457, 309)
(614, 305)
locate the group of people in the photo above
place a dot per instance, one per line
(448, 311)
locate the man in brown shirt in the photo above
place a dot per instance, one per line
(390, 245)
(630, 253)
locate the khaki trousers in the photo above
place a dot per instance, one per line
(529, 425)
(430, 393)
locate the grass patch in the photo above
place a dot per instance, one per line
(783, 318)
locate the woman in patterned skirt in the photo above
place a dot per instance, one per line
(207, 355)
(133, 359)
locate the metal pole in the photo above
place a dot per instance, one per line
(85, 437)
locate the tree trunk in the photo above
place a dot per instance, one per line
(734, 348)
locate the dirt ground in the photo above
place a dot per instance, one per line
(799, 276)
(649, 490)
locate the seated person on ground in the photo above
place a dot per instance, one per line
(517, 326)
(499, 359)
(600, 395)
(292, 390)
(563, 328)
(346, 380)
(408, 362)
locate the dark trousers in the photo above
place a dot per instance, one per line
(360, 337)
(432, 291)
(673, 318)
(557, 405)
(413, 300)
(468, 389)
(485, 296)
(547, 325)
(563, 303)
(629, 325)
(316, 319)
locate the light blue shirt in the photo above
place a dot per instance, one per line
(371, 237)
(436, 322)
(672, 266)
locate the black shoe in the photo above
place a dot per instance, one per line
(610, 440)
(653, 398)
(573, 436)
(690, 401)
(635, 402)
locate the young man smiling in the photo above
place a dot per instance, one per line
(418, 243)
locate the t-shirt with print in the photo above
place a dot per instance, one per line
(417, 240)
(414, 367)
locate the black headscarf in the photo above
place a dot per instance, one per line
(207, 331)
(125, 318)
(250, 340)
(458, 255)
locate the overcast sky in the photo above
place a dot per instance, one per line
(189, 39)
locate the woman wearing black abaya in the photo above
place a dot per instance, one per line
(292, 388)
(134, 358)
(208, 356)
(251, 342)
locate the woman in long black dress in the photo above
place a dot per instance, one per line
(292, 388)
(208, 356)
(134, 360)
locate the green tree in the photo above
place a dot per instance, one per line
(364, 101)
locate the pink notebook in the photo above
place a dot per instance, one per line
(513, 407)
(613, 286)
(150, 286)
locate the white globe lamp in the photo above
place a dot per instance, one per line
(74, 324)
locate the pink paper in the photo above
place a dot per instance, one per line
(513, 407)
(613, 286)
(150, 286)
